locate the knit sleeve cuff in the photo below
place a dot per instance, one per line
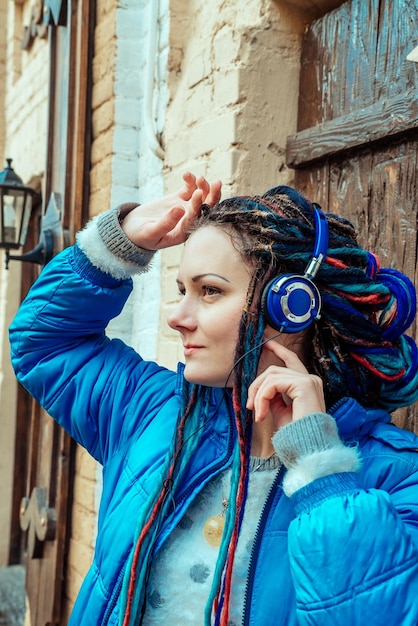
(311, 448)
(107, 247)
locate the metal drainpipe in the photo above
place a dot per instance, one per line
(150, 130)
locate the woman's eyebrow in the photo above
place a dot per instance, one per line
(195, 279)
(198, 277)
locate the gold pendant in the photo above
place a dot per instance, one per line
(214, 526)
(213, 529)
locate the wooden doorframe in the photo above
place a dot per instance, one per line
(69, 133)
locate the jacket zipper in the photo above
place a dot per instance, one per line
(116, 592)
(213, 472)
(257, 543)
(115, 597)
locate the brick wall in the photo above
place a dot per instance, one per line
(26, 97)
(123, 168)
(233, 86)
(102, 106)
(3, 49)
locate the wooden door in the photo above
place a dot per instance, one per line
(355, 151)
(44, 452)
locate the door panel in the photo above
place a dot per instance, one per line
(356, 148)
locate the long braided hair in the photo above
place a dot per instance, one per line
(358, 348)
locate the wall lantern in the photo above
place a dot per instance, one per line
(16, 200)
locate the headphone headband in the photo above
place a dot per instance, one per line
(291, 302)
(321, 242)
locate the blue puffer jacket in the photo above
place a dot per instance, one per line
(343, 550)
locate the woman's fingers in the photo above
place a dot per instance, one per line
(153, 232)
(280, 391)
(286, 391)
(203, 185)
(165, 222)
(190, 185)
(214, 195)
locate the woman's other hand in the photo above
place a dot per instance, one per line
(163, 223)
(286, 392)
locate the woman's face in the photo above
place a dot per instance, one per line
(213, 281)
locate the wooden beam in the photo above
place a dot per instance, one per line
(387, 118)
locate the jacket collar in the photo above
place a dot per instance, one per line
(354, 420)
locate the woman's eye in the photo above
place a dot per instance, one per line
(210, 291)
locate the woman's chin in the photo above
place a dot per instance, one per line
(200, 378)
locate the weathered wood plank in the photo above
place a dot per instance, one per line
(384, 119)
(355, 56)
(393, 74)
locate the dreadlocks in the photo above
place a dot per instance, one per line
(359, 349)
(358, 345)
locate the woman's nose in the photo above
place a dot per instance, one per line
(182, 316)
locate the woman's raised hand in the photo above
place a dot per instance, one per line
(164, 222)
(286, 392)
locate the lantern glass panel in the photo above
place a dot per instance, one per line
(14, 221)
(27, 210)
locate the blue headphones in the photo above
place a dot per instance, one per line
(291, 302)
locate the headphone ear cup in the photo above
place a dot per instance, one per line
(290, 303)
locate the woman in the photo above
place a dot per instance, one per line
(263, 482)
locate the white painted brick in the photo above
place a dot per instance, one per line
(123, 193)
(131, 56)
(213, 133)
(199, 103)
(125, 171)
(225, 48)
(225, 165)
(129, 24)
(128, 84)
(227, 88)
(125, 142)
(198, 69)
(127, 112)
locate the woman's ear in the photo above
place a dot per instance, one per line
(299, 343)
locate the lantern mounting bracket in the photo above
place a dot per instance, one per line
(50, 235)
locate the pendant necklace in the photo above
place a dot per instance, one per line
(214, 526)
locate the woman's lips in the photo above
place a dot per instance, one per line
(190, 349)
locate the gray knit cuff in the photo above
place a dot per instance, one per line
(110, 230)
(108, 248)
(310, 448)
(317, 431)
